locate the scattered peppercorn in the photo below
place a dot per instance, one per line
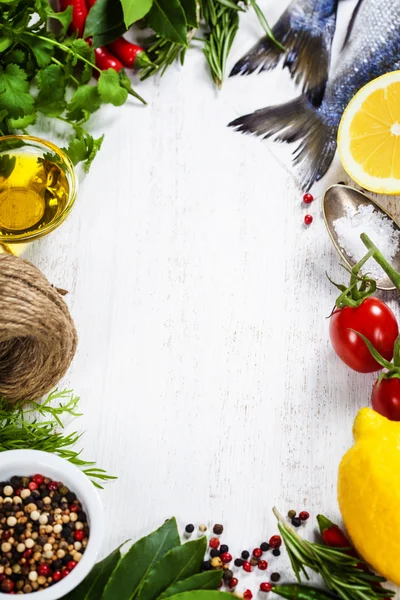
(238, 562)
(214, 543)
(189, 528)
(38, 530)
(254, 561)
(263, 565)
(275, 577)
(275, 541)
(202, 528)
(232, 583)
(308, 198)
(296, 522)
(247, 567)
(224, 548)
(276, 552)
(226, 557)
(214, 552)
(308, 219)
(218, 529)
(257, 552)
(291, 514)
(264, 547)
(206, 565)
(216, 562)
(245, 554)
(265, 586)
(247, 595)
(304, 515)
(227, 576)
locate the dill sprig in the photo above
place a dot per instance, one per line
(36, 426)
(340, 571)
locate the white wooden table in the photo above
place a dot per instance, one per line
(207, 380)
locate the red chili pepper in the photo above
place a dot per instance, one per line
(331, 534)
(79, 14)
(90, 3)
(105, 60)
(129, 54)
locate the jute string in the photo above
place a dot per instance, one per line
(38, 338)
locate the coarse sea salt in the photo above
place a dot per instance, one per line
(379, 228)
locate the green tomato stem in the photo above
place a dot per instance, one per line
(393, 275)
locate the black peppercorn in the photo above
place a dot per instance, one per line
(16, 482)
(189, 528)
(227, 576)
(296, 522)
(27, 500)
(56, 564)
(56, 497)
(83, 517)
(71, 497)
(19, 528)
(238, 562)
(67, 558)
(224, 548)
(205, 566)
(214, 552)
(218, 529)
(245, 554)
(276, 552)
(264, 546)
(275, 577)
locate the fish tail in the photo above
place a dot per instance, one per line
(296, 121)
(307, 54)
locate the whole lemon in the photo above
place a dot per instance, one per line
(369, 492)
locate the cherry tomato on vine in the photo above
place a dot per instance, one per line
(386, 398)
(375, 320)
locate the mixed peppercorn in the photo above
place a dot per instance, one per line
(43, 533)
(220, 557)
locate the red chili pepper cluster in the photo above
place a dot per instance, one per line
(118, 54)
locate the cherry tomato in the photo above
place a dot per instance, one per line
(386, 398)
(374, 319)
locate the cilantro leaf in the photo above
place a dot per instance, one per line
(22, 122)
(64, 18)
(83, 103)
(51, 98)
(5, 41)
(7, 165)
(83, 148)
(16, 56)
(110, 89)
(42, 50)
(14, 91)
(81, 49)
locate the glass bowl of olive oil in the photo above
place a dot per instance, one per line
(38, 188)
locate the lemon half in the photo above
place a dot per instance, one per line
(369, 135)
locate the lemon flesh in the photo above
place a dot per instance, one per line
(369, 492)
(369, 135)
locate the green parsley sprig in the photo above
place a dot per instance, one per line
(42, 72)
(37, 425)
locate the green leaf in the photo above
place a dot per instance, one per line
(14, 92)
(16, 56)
(42, 50)
(179, 563)
(139, 560)
(64, 18)
(110, 89)
(202, 595)
(134, 10)
(6, 40)
(3, 114)
(167, 18)
(105, 19)
(92, 586)
(81, 50)
(83, 103)
(51, 98)
(209, 580)
(7, 164)
(22, 122)
(191, 12)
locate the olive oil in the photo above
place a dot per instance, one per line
(34, 192)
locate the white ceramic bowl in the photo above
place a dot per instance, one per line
(29, 462)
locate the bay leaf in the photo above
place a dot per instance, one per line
(179, 563)
(209, 580)
(135, 565)
(134, 10)
(202, 595)
(168, 19)
(191, 12)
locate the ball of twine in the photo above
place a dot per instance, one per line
(38, 338)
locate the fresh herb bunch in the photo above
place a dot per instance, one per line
(157, 566)
(19, 430)
(175, 24)
(47, 73)
(342, 573)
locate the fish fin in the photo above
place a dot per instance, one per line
(351, 23)
(307, 56)
(296, 121)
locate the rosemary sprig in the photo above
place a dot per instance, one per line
(34, 426)
(340, 571)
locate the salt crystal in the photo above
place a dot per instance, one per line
(379, 228)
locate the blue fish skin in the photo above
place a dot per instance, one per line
(306, 30)
(372, 49)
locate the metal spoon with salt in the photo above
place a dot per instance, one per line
(336, 199)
